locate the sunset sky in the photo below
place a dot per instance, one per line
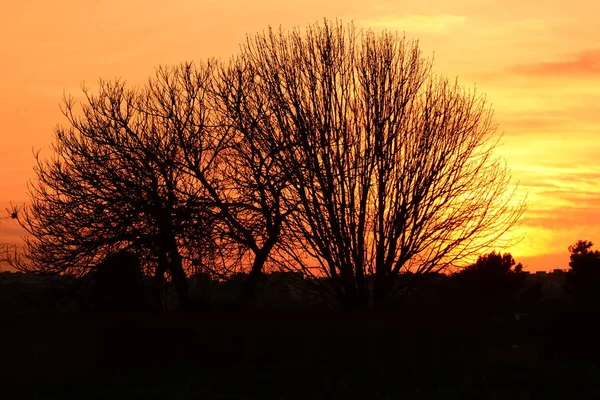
(537, 61)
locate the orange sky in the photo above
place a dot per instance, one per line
(537, 61)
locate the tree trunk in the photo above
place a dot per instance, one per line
(349, 285)
(169, 252)
(251, 283)
(179, 281)
(159, 276)
(381, 290)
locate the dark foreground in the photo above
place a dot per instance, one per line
(300, 355)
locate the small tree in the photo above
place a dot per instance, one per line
(116, 283)
(492, 282)
(583, 279)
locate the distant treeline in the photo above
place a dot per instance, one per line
(25, 293)
(494, 283)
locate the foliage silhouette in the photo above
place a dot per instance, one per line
(583, 278)
(492, 282)
(116, 284)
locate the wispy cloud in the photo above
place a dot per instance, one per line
(585, 64)
(572, 216)
(522, 26)
(433, 23)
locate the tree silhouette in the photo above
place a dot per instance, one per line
(160, 170)
(332, 148)
(491, 282)
(117, 283)
(583, 279)
(8, 251)
(235, 168)
(114, 183)
(392, 167)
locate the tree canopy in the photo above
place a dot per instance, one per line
(392, 167)
(583, 279)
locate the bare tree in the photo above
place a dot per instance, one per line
(114, 182)
(393, 168)
(8, 251)
(163, 170)
(239, 175)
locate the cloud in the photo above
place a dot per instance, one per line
(558, 192)
(434, 23)
(534, 121)
(578, 116)
(585, 64)
(512, 26)
(558, 219)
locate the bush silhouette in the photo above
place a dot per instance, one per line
(116, 284)
(492, 282)
(583, 279)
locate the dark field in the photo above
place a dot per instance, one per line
(320, 355)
